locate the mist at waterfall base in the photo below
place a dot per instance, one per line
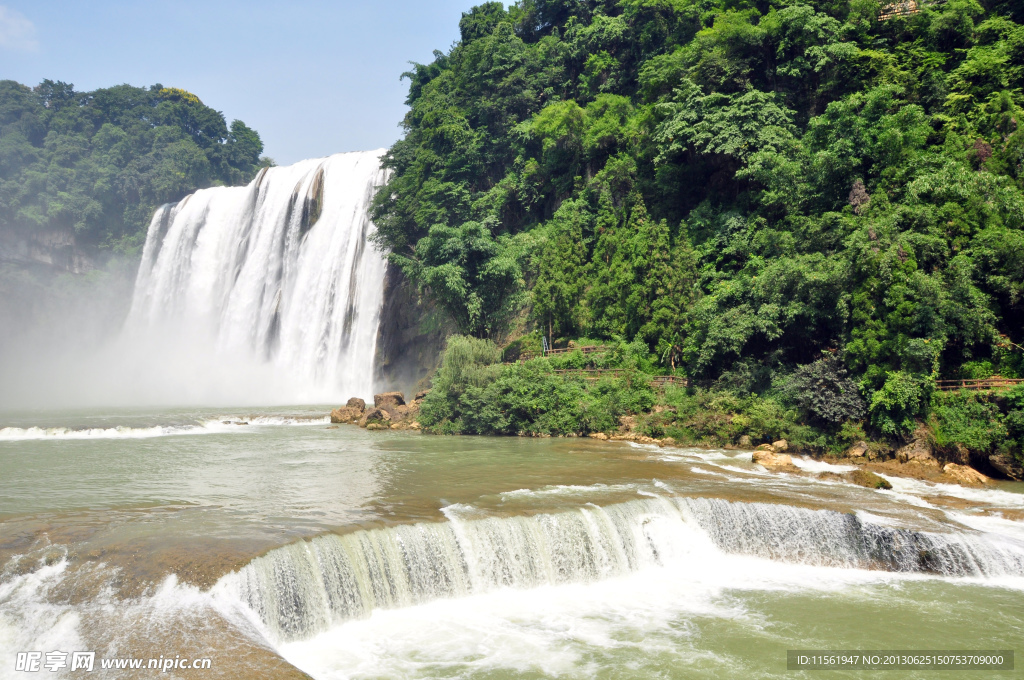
(264, 294)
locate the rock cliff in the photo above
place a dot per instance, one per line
(410, 337)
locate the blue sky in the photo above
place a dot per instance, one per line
(313, 78)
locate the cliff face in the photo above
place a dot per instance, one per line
(410, 338)
(55, 248)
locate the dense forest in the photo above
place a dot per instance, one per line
(800, 204)
(80, 176)
(98, 163)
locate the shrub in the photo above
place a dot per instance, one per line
(530, 397)
(1015, 421)
(468, 363)
(716, 417)
(825, 392)
(472, 394)
(900, 400)
(967, 419)
(977, 370)
(850, 433)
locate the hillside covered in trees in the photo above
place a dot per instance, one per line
(98, 163)
(81, 174)
(762, 193)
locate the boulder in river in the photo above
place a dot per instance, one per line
(964, 474)
(356, 402)
(868, 479)
(598, 435)
(346, 414)
(392, 412)
(374, 416)
(780, 446)
(771, 459)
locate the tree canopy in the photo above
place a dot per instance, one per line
(98, 163)
(737, 183)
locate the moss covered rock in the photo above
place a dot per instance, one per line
(868, 479)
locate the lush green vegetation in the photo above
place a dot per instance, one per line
(816, 408)
(768, 194)
(98, 163)
(475, 394)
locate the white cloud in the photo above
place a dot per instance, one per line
(16, 31)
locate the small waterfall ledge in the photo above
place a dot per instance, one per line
(304, 588)
(278, 274)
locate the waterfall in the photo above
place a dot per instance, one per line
(306, 587)
(278, 273)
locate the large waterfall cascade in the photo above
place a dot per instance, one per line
(278, 273)
(304, 588)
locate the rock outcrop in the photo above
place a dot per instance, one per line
(374, 416)
(858, 450)
(918, 451)
(964, 474)
(868, 479)
(388, 400)
(769, 458)
(389, 412)
(746, 442)
(407, 353)
(634, 437)
(351, 412)
(780, 446)
(1007, 466)
(346, 414)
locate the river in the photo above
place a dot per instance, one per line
(274, 545)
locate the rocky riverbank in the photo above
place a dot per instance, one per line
(918, 459)
(389, 412)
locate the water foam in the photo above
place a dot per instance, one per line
(279, 275)
(232, 424)
(306, 588)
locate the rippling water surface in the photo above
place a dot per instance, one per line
(277, 545)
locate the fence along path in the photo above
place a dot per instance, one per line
(588, 349)
(658, 381)
(996, 382)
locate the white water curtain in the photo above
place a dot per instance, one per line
(277, 276)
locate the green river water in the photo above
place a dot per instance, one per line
(276, 545)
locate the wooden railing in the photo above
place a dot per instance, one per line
(588, 349)
(658, 381)
(591, 373)
(996, 382)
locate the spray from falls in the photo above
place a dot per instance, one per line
(306, 587)
(277, 275)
